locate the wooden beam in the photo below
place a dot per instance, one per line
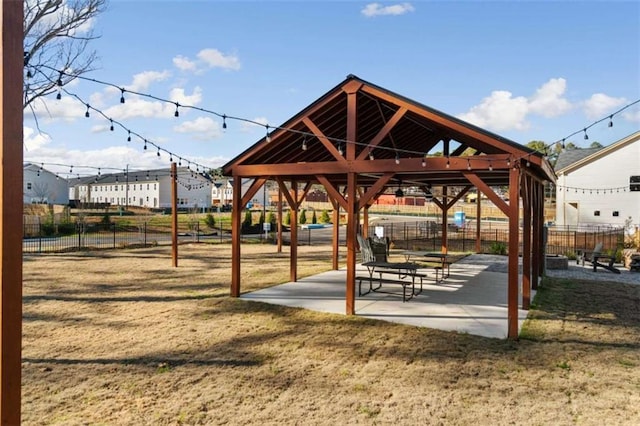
(375, 189)
(279, 220)
(336, 234)
(512, 267)
(406, 165)
(486, 190)
(293, 204)
(11, 202)
(452, 201)
(252, 190)
(445, 213)
(323, 139)
(334, 193)
(478, 214)
(304, 192)
(383, 132)
(351, 244)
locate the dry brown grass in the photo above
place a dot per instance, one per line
(121, 338)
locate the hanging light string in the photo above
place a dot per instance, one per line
(73, 173)
(149, 145)
(269, 129)
(592, 190)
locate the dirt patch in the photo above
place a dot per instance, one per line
(122, 338)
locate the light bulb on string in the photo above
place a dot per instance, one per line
(371, 154)
(468, 164)
(304, 143)
(59, 95)
(158, 152)
(586, 136)
(611, 121)
(129, 136)
(397, 158)
(490, 166)
(111, 128)
(86, 114)
(224, 121)
(340, 149)
(268, 136)
(122, 96)
(145, 145)
(424, 161)
(563, 145)
(176, 114)
(447, 165)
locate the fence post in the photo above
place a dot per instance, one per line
(78, 227)
(39, 236)
(114, 234)
(197, 232)
(144, 231)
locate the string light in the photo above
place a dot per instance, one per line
(111, 128)
(424, 161)
(121, 96)
(129, 136)
(397, 158)
(268, 139)
(586, 136)
(340, 149)
(468, 164)
(176, 114)
(304, 143)
(490, 166)
(371, 154)
(86, 114)
(224, 121)
(448, 164)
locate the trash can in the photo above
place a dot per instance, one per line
(459, 219)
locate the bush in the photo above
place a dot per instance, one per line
(324, 217)
(314, 219)
(210, 221)
(248, 220)
(271, 218)
(498, 248)
(287, 218)
(303, 217)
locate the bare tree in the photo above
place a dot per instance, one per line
(56, 38)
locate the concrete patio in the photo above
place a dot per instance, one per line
(473, 299)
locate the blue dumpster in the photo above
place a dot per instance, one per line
(459, 219)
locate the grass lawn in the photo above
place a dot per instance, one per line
(122, 338)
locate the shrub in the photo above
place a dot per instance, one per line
(314, 219)
(303, 217)
(248, 220)
(271, 218)
(498, 248)
(324, 217)
(210, 221)
(287, 218)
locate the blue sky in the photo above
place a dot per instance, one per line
(525, 70)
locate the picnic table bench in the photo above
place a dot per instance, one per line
(432, 257)
(404, 271)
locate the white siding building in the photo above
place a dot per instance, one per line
(150, 189)
(41, 186)
(602, 187)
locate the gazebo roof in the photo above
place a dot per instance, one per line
(394, 134)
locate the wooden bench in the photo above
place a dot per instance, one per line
(608, 265)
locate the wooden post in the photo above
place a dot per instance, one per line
(336, 234)
(526, 241)
(512, 269)
(351, 243)
(236, 223)
(11, 212)
(365, 221)
(445, 212)
(174, 215)
(478, 214)
(536, 246)
(279, 220)
(293, 248)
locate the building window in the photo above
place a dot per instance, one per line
(28, 185)
(616, 213)
(596, 213)
(634, 183)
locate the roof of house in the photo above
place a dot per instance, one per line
(570, 156)
(575, 160)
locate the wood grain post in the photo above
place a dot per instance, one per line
(11, 172)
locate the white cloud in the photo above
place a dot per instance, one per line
(632, 115)
(599, 105)
(207, 59)
(216, 59)
(179, 95)
(502, 111)
(548, 100)
(138, 107)
(184, 64)
(34, 140)
(376, 9)
(143, 80)
(499, 111)
(50, 109)
(202, 128)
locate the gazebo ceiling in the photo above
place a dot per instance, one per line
(416, 143)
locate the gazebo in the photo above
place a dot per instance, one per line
(358, 140)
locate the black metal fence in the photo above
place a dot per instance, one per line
(41, 238)
(427, 235)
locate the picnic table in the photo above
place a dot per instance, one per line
(429, 256)
(403, 271)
